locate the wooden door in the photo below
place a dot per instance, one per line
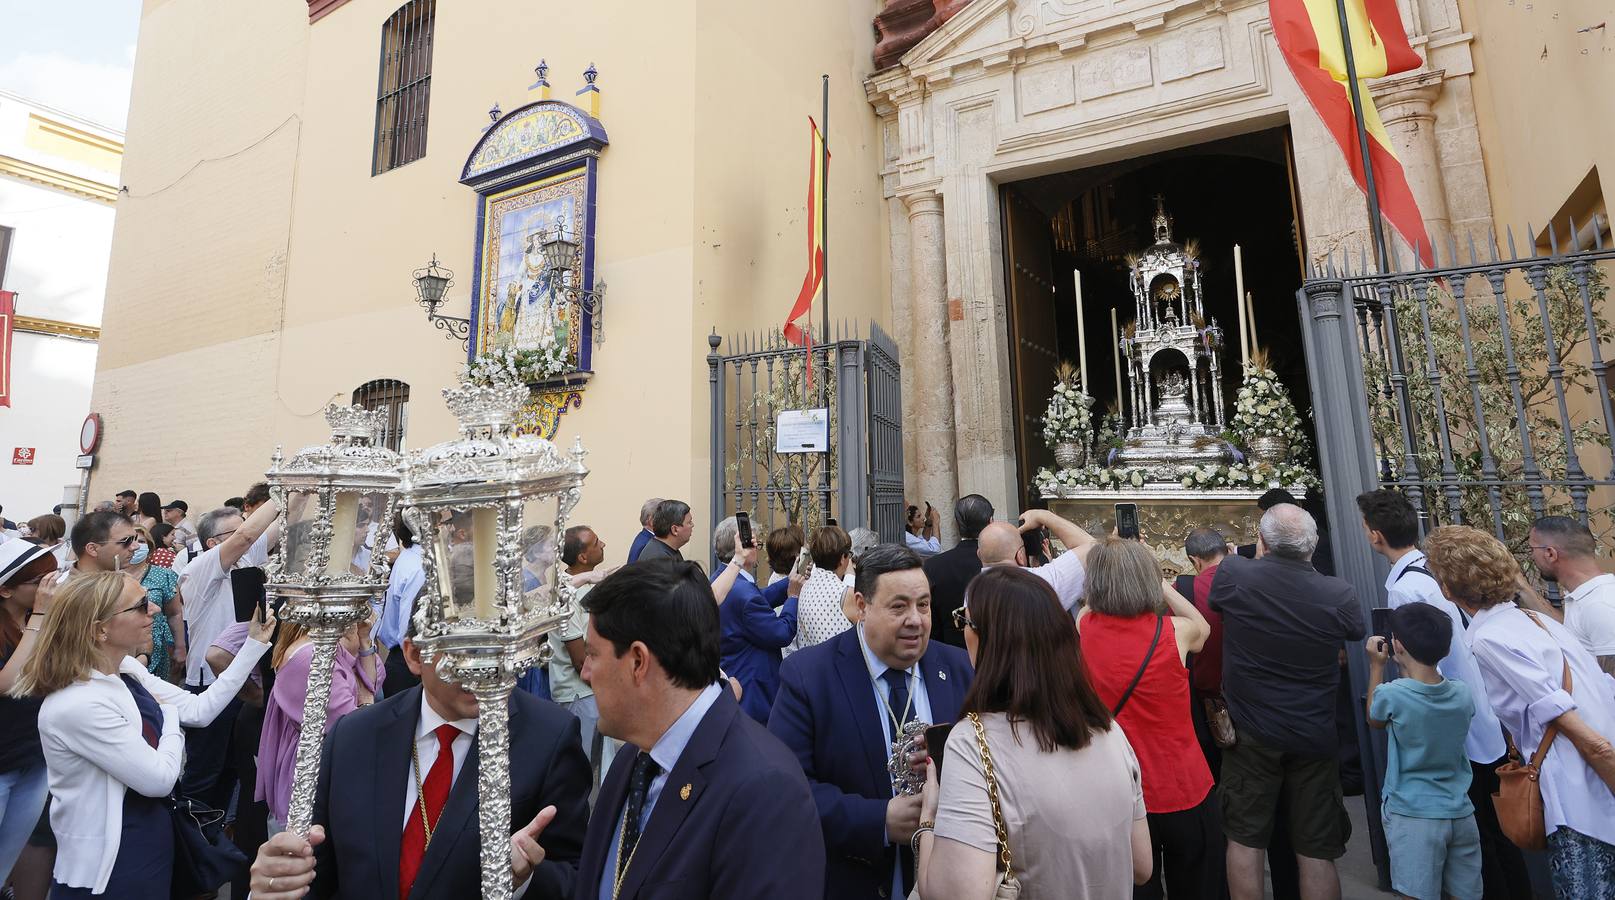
(1033, 335)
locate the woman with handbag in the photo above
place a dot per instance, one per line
(1040, 793)
(1558, 789)
(1135, 657)
(111, 736)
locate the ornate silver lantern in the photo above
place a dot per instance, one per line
(336, 505)
(490, 508)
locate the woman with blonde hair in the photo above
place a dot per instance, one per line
(1538, 676)
(111, 736)
(1136, 658)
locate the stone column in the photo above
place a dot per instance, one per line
(1405, 107)
(931, 419)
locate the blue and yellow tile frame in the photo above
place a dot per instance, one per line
(534, 165)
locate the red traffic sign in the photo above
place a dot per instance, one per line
(90, 433)
(22, 456)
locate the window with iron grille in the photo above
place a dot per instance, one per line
(391, 396)
(404, 93)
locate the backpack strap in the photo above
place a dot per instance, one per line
(1426, 573)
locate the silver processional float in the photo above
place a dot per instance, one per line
(489, 509)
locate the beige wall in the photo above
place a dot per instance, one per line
(1543, 102)
(308, 258)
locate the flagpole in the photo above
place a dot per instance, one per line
(824, 206)
(1376, 228)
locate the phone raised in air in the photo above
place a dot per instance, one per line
(1127, 521)
(1381, 621)
(804, 562)
(743, 523)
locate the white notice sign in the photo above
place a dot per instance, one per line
(802, 431)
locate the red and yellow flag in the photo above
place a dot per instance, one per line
(813, 280)
(7, 323)
(1308, 32)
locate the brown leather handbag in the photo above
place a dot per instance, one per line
(1519, 795)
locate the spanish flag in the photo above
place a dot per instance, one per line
(1308, 33)
(813, 281)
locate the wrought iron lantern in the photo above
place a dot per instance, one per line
(563, 257)
(336, 505)
(490, 508)
(431, 284)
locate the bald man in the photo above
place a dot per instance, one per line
(1002, 544)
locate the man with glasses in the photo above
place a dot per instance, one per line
(102, 542)
(227, 540)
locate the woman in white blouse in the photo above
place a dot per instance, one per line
(825, 607)
(1523, 658)
(111, 735)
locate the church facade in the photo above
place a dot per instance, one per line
(265, 248)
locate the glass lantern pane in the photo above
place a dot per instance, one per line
(302, 510)
(541, 554)
(467, 547)
(372, 532)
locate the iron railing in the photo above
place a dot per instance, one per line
(859, 482)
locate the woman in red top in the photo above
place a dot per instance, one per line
(1135, 659)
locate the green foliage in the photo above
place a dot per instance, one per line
(1433, 355)
(786, 482)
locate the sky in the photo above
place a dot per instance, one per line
(75, 55)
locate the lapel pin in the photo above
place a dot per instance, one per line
(941, 674)
(684, 792)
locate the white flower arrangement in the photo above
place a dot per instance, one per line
(1067, 419)
(1263, 408)
(510, 366)
(1248, 476)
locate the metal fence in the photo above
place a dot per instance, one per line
(859, 481)
(1479, 387)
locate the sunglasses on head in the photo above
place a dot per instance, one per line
(961, 619)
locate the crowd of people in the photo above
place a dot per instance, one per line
(1033, 711)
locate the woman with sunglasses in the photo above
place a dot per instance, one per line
(111, 736)
(1065, 778)
(26, 575)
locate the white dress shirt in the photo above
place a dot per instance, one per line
(1484, 743)
(1065, 574)
(426, 745)
(1590, 614)
(921, 545)
(209, 609)
(95, 749)
(1524, 669)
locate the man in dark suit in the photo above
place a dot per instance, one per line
(702, 802)
(950, 571)
(671, 528)
(1284, 628)
(841, 702)
(394, 773)
(751, 634)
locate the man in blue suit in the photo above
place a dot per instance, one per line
(751, 635)
(839, 704)
(702, 802)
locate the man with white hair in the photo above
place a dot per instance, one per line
(1284, 627)
(645, 535)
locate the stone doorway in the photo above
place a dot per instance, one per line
(1221, 192)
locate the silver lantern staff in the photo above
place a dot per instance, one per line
(336, 508)
(477, 618)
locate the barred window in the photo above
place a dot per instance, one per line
(404, 94)
(392, 397)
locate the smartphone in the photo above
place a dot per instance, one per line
(743, 521)
(1033, 540)
(936, 740)
(1381, 620)
(804, 562)
(1127, 521)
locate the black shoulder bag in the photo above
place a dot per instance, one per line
(1148, 654)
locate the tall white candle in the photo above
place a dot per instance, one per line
(1082, 334)
(344, 517)
(1116, 355)
(484, 546)
(1250, 317)
(1239, 300)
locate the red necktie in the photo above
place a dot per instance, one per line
(434, 793)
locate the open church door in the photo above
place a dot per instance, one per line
(1034, 336)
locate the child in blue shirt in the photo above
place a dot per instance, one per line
(1429, 822)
